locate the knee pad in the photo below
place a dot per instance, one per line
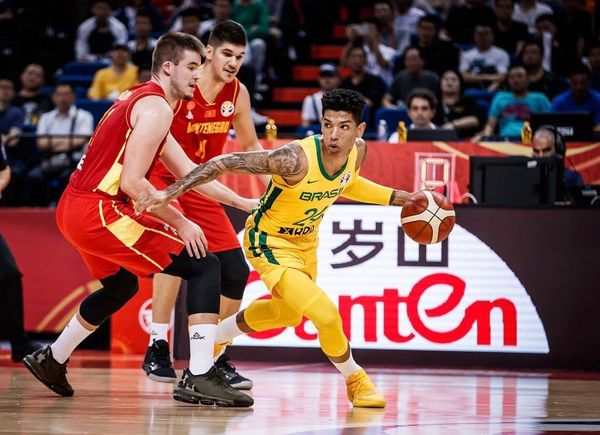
(116, 291)
(234, 273)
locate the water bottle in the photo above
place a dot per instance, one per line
(382, 132)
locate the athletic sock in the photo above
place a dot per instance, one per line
(202, 343)
(347, 367)
(158, 331)
(73, 334)
(227, 330)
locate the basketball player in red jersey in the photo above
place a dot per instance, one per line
(201, 127)
(96, 215)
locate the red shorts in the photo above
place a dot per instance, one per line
(208, 214)
(109, 235)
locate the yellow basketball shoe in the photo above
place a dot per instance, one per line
(362, 393)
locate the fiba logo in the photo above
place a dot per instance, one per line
(145, 316)
(227, 108)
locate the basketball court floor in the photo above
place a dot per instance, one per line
(113, 396)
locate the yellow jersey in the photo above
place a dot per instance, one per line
(295, 212)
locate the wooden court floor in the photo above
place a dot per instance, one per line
(113, 396)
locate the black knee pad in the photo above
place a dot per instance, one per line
(234, 273)
(116, 291)
(203, 278)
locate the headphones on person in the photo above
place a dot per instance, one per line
(559, 141)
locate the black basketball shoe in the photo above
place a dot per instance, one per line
(209, 389)
(48, 371)
(228, 371)
(157, 362)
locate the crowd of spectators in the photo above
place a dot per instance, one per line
(479, 67)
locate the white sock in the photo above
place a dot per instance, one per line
(347, 367)
(202, 343)
(158, 331)
(227, 330)
(73, 334)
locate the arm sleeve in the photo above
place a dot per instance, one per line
(369, 192)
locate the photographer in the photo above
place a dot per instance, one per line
(61, 134)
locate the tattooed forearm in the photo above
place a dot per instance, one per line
(399, 197)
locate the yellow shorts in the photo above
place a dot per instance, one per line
(271, 255)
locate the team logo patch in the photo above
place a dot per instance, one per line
(190, 105)
(345, 178)
(227, 108)
(210, 113)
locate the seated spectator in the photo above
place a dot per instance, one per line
(30, 97)
(405, 22)
(128, 14)
(372, 87)
(509, 110)
(11, 123)
(548, 142)
(558, 57)
(421, 104)
(438, 55)
(312, 107)
(463, 19)
(62, 134)
(188, 21)
(508, 34)
(485, 65)
(142, 46)
(576, 26)
(413, 76)
(579, 98)
(98, 34)
(113, 80)
(540, 80)
(221, 12)
(384, 14)
(527, 11)
(593, 63)
(379, 56)
(455, 110)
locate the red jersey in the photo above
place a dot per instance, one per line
(100, 168)
(200, 127)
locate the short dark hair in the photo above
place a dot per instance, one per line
(344, 100)
(433, 19)
(64, 84)
(579, 69)
(170, 47)
(423, 93)
(545, 17)
(228, 31)
(190, 12)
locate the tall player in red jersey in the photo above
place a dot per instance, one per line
(96, 215)
(201, 127)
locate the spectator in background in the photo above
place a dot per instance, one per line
(485, 65)
(30, 97)
(128, 14)
(579, 98)
(508, 34)
(540, 80)
(544, 144)
(463, 19)
(527, 12)
(11, 123)
(576, 27)
(312, 107)
(113, 80)
(438, 55)
(61, 134)
(421, 104)
(413, 76)
(593, 63)
(8, 31)
(455, 110)
(406, 18)
(390, 36)
(97, 35)
(142, 46)
(372, 87)
(558, 58)
(221, 11)
(509, 110)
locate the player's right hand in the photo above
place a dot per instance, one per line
(193, 237)
(149, 200)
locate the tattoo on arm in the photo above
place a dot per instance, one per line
(282, 161)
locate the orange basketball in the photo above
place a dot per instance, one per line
(427, 217)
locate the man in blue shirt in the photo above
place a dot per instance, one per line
(509, 110)
(580, 98)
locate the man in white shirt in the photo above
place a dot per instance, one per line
(312, 107)
(97, 35)
(62, 133)
(485, 65)
(526, 11)
(421, 104)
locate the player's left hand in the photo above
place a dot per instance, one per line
(193, 237)
(151, 200)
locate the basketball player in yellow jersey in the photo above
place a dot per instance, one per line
(281, 236)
